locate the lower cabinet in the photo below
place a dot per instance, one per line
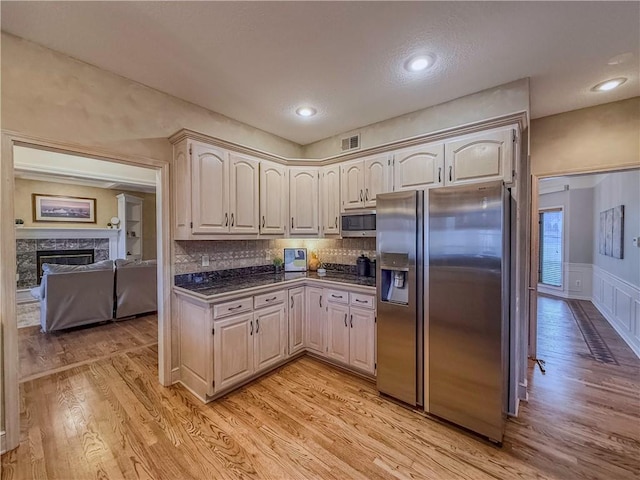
(233, 350)
(248, 344)
(351, 332)
(270, 337)
(316, 319)
(296, 320)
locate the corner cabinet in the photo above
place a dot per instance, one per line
(131, 232)
(296, 320)
(304, 200)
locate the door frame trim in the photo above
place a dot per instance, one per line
(9, 389)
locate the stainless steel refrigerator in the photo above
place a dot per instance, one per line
(468, 312)
(399, 278)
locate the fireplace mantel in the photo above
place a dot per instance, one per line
(61, 232)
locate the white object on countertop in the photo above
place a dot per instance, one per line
(322, 271)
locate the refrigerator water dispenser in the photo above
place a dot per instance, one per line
(393, 271)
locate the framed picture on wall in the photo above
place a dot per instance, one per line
(57, 208)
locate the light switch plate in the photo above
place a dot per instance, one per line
(205, 260)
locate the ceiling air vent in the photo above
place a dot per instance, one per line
(351, 143)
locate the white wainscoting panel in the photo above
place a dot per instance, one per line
(577, 282)
(619, 302)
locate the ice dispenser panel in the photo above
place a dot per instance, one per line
(394, 268)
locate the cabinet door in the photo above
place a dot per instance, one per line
(210, 189)
(273, 198)
(296, 320)
(352, 179)
(181, 191)
(303, 200)
(331, 200)
(233, 350)
(338, 332)
(196, 355)
(243, 194)
(480, 157)
(376, 178)
(419, 167)
(362, 339)
(270, 337)
(316, 307)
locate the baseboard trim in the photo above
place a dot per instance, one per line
(175, 375)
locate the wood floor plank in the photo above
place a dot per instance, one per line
(107, 417)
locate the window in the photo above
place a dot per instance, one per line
(550, 268)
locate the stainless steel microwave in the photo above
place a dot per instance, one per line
(361, 224)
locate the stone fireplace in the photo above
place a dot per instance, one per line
(63, 257)
(102, 243)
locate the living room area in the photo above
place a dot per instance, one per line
(86, 242)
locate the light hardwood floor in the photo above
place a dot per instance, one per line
(111, 419)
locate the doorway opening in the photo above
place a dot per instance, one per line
(551, 238)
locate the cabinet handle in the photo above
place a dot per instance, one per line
(320, 301)
(361, 195)
(262, 221)
(351, 321)
(439, 174)
(291, 302)
(251, 332)
(271, 299)
(291, 222)
(361, 301)
(336, 296)
(336, 222)
(450, 173)
(232, 220)
(234, 308)
(366, 194)
(226, 219)
(257, 325)
(345, 319)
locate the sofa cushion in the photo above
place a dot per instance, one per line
(53, 268)
(122, 263)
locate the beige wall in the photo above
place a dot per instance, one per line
(590, 139)
(106, 207)
(494, 102)
(50, 95)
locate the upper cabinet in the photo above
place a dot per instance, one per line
(216, 192)
(303, 200)
(209, 189)
(419, 167)
(362, 180)
(273, 198)
(477, 157)
(481, 156)
(330, 200)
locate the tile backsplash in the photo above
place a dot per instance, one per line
(226, 254)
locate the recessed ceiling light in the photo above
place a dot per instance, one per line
(609, 84)
(419, 63)
(306, 111)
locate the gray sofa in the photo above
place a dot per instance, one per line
(136, 288)
(75, 295)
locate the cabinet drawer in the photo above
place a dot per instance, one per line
(231, 308)
(337, 296)
(364, 301)
(266, 299)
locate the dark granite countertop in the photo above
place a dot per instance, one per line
(215, 286)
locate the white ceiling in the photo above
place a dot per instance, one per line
(257, 61)
(46, 166)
